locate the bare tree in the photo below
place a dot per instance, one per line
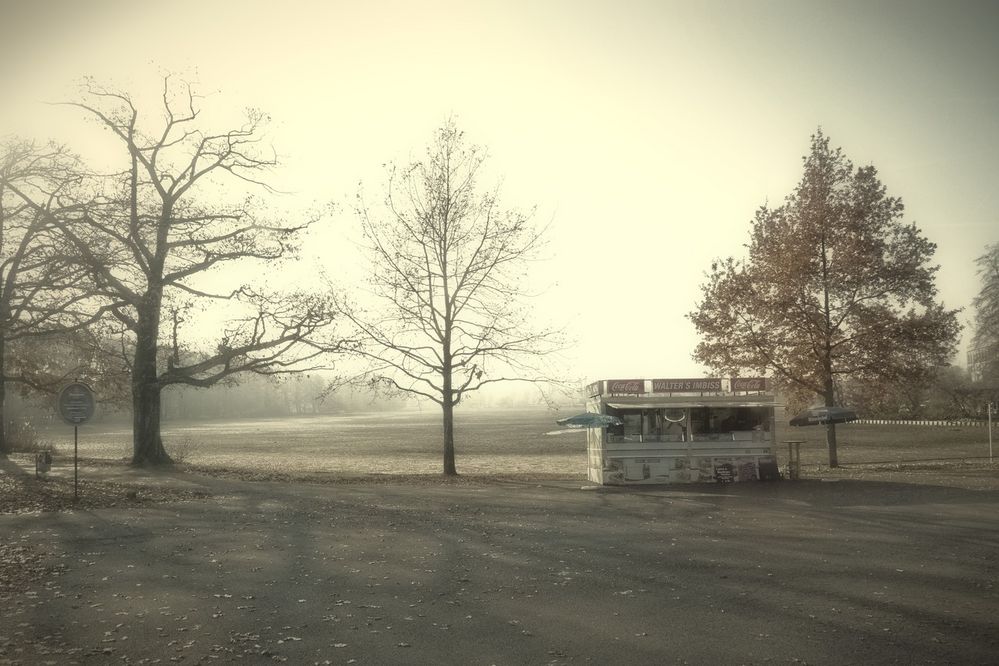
(43, 292)
(447, 266)
(155, 236)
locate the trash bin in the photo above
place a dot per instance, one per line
(43, 462)
(769, 470)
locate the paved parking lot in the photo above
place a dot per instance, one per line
(496, 572)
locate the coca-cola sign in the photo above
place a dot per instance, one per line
(749, 383)
(626, 386)
(686, 385)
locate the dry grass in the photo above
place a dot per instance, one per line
(22, 492)
(501, 444)
(865, 444)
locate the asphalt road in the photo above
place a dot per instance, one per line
(515, 573)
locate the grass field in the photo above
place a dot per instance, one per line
(487, 442)
(890, 443)
(494, 442)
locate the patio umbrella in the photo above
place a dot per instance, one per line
(824, 415)
(589, 420)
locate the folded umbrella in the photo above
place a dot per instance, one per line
(823, 416)
(589, 420)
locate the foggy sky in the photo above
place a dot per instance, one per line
(646, 133)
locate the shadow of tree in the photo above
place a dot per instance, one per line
(523, 573)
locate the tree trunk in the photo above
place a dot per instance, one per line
(147, 444)
(830, 394)
(831, 427)
(4, 445)
(448, 409)
(447, 406)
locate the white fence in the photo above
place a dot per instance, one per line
(963, 423)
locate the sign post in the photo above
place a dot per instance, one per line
(992, 410)
(76, 406)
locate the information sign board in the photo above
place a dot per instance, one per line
(76, 403)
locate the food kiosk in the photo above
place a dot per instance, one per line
(682, 431)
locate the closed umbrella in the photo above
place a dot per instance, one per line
(589, 420)
(823, 416)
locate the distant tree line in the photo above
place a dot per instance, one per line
(949, 394)
(257, 397)
(252, 396)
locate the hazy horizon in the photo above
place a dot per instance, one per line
(646, 133)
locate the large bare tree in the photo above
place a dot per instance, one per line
(447, 267)
(156, 235)
(835, 285)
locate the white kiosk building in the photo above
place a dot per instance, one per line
(682, 431)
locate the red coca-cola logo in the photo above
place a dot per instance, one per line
(749, 384)
(626, 385)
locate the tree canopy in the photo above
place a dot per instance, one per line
(43, 291)
(835, 284)
(985, 343)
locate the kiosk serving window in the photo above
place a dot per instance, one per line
(649, 425)
(739, 422)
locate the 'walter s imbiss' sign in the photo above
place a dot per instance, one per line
(686, 385)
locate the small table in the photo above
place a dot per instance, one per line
(793, 457)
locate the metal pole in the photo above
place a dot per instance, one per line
(76, 472)
(991, 407)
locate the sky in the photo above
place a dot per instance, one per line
(645, 134)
